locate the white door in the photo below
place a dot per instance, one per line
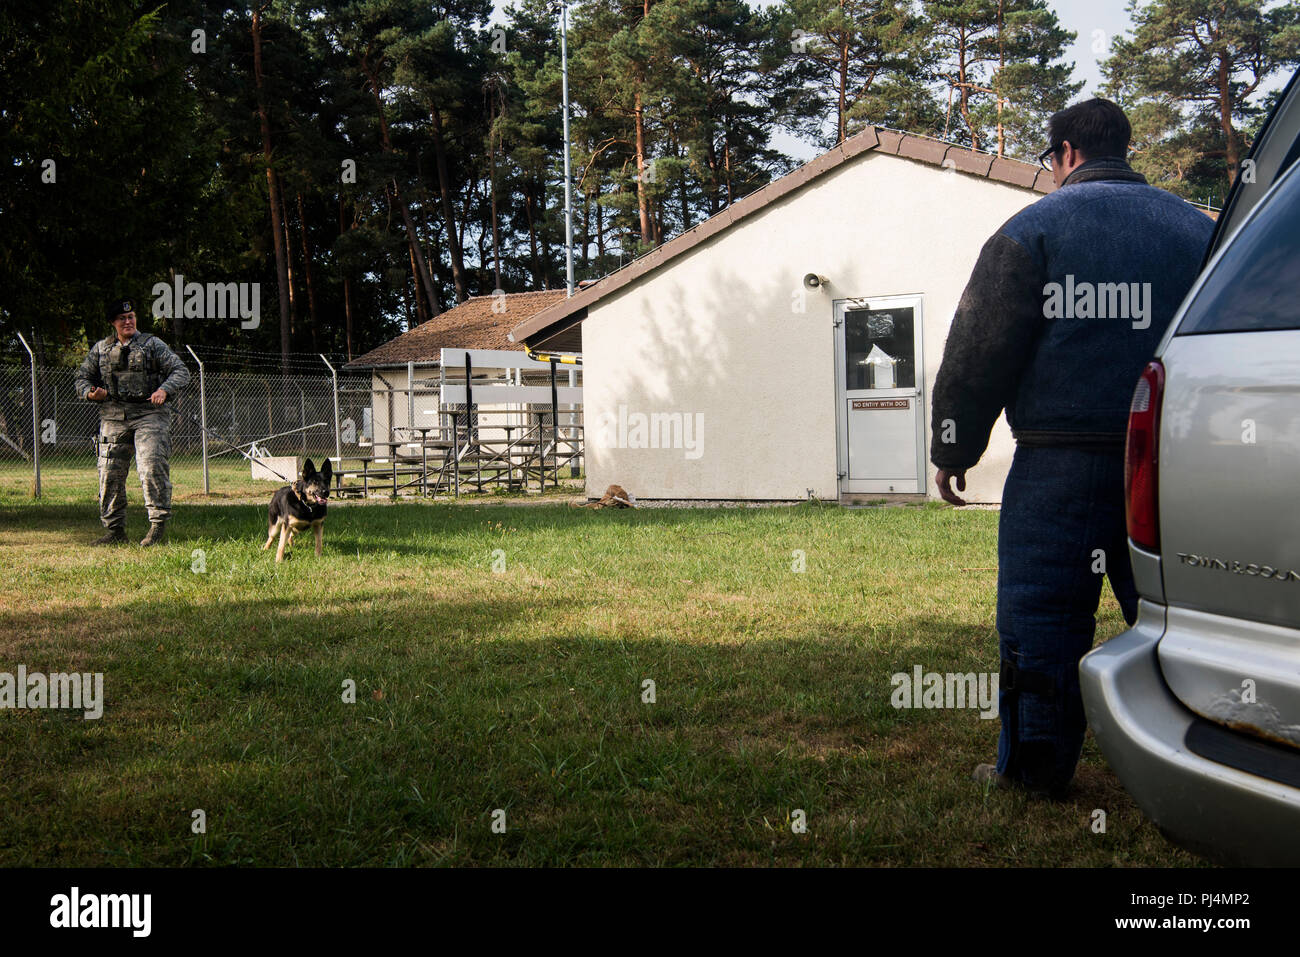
(879, 376)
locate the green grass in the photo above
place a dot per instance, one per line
(73, 480)
(521, 690)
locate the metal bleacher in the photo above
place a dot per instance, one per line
(512, 437)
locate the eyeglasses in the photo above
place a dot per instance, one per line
(1046, 157)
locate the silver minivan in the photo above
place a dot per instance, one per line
(1197, 707)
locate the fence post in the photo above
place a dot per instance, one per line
(573, 414)
(338, 436)
(36, 417)
(555, 434)
(203, 420)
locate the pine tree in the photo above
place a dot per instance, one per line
(718, 97)
(1191, 75)
(860, 62)
(999, 66)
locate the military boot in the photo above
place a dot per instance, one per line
(157, 534)
(115, 536)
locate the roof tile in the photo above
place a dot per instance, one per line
(471, 324)
(968, 161)
(1018, 174)
(926, 150)
(889, 140)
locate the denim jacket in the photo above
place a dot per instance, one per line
(1065, 306)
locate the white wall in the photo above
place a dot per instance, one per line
(717, 333)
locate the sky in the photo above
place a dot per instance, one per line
(1096, 22)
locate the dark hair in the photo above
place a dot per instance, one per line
(1095, 128)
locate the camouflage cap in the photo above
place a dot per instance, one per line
(117, 307)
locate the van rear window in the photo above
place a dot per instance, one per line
(1255, 286)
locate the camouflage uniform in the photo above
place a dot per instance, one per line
(128, 420)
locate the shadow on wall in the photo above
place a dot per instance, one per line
(736, 349)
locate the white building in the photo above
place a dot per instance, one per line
(712, 370)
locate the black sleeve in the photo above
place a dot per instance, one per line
(993, 334)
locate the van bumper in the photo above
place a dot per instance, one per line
(1221, 812)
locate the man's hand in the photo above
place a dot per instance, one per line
(97, 394)
(159, 397)
(944, 478)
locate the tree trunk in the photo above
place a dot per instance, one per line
(726, 167)
(273, 188)
(424, 280)
(964, 85)
(600, 231)
(712, 155)
(1231, 141)
(444, 194)
(642, 196)
(421, 314)
(288, 260)
(586, 228)
(492, 180)
(843, 106)
(543, 238)
(307, 277)
(997, 87)
(178, 317)
(532, 234)
(347, 287)
(686, 209)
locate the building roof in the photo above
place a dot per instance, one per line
(471, 324)
(562, 317)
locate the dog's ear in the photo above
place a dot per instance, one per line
(308, 470)
(327, 471)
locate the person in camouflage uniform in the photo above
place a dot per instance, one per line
(135, 378)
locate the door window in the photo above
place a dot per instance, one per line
(879, 349)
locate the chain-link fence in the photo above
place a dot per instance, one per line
(223, 421)
(245, 415)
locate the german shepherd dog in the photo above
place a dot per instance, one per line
(299, 506)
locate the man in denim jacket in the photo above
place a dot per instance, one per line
(1065, 307)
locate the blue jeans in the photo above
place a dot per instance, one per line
(1061, 528)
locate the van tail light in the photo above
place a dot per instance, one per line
(1142, 458)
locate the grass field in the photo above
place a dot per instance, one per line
(520, 689)
(73, 480)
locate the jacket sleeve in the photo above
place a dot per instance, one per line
(87, 376)
(994, 332)
(177, 373)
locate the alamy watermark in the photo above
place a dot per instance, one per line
(76, 909)
(1100, 300)
(930, 689)
(212, 300)
(75, 691)
(653, 430)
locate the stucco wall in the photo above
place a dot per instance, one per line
(717, 334)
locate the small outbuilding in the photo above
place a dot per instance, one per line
(787, 346)
(408, 379)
